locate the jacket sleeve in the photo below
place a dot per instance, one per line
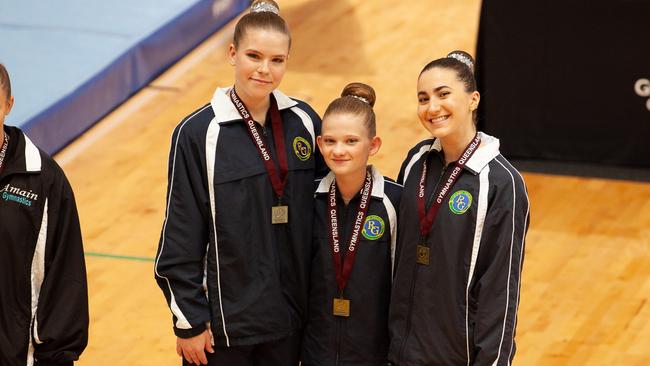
(60, 326)
(498, 284)
(412, 157)
(392, 202)
(179, 267)
(402, 170)
(321, 168)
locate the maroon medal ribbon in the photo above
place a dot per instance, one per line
(342, 268)
(449, 179)
(3, 151)
(277, 180)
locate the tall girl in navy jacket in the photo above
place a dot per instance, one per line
(234, 249)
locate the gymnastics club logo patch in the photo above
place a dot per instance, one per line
(301, 148)
(373, 228)
(460, 202)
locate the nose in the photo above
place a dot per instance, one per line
(433, 107)
(338, 150)
(263, 67)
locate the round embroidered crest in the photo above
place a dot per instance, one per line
(373, 228)
(301, 148)
(460, 202)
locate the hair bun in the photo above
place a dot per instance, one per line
(259, 6)
(361, 91)
(463, 57)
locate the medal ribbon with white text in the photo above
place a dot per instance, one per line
(449, 179)
(3, 152)
(278, 180)
(343, 269)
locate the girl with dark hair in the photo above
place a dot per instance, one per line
(355, 223)
(43, 290)
(463, 220)
(234, 252)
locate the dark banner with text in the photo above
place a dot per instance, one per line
(567, 80)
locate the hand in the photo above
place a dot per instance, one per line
(193, 349)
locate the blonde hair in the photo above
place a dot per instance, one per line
(357, 99)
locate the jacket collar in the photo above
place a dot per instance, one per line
(24, 156)
(377, 183)
(488, 150)
(225, 111)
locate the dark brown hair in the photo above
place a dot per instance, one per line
(357, 99)
(464, 69)
(5, 83)
(261, 20)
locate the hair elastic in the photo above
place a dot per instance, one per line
(360, 98)
(462, 58)
(263, 7)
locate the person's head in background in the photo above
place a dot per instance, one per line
(6, 99)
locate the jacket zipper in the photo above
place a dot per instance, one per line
(343, 213)
(415, 275)
(408, 314)
(338, 339)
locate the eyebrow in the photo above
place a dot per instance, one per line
(344, 136)
(261, 53)
(434, 90)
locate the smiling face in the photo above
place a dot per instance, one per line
(346, 145)
(260, 63)
(444, 107)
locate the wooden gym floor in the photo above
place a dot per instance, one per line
(586, 279)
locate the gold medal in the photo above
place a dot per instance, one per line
(341, 307)
(280, 214)
(423, 255)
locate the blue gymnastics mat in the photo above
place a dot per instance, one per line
(72, 61)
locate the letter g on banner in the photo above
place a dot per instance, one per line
(642, 89)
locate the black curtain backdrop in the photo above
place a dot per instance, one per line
(557, 80)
